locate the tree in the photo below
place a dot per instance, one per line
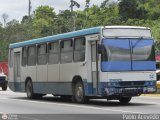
(43, 21)
(64, 19)
(110, 14)
(131, 9)
(104, 3)
(74, 3)
(87, 4)
(13, 23)
(44, 12)
(26, 19)
(27, 27)
(5, 18)
(153, 8)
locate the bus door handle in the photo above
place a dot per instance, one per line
(84, 63)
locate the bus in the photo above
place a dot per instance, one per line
(109, 62)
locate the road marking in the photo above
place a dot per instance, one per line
(78, 106)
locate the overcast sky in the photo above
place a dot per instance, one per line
(16, 9)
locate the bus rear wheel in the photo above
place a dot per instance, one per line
(124, 100)
(79, 95)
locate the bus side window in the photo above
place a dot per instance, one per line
(79, 49)
(31, 60)
(42, 54)
(24, 56)
(53, 50)
(66, 51)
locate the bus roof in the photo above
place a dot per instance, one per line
(68, 35)
(83, 32)
(126, 27)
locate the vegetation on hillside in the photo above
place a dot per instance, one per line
(45, 21)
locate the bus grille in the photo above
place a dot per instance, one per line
(132, 83)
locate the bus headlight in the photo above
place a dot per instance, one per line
(151, 89)
(152, 83)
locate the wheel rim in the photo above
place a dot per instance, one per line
(79, 93)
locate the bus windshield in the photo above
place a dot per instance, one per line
(127, 54)
(143, 50)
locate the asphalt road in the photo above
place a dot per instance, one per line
(16, 106)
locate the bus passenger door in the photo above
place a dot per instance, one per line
(94, 67)
(17, 76)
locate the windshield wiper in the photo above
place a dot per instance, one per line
(140, 39)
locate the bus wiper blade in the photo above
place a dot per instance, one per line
(141, 38)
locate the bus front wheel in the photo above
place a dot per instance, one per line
(29, 90)
(124, 100)
(79, 95)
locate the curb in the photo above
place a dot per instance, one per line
(151, 95)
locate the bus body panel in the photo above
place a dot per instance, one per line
(53, 73)
(66, 72)
(128, 76)
(41, 73)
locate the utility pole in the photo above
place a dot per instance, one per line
(73, 21)
(29, 8)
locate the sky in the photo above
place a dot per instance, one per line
(16, 9)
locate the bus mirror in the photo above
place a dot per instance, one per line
(100, 47)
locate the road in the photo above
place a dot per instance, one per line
(16, 105)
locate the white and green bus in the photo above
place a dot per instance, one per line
(109, 62)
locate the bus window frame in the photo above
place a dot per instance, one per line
(35, 46)
(58, 53)
(46, 53)
(62, 46)
(26, 48)
(74, 50)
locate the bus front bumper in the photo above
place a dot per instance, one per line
(133, 91)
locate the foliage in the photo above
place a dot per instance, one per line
(44, 21)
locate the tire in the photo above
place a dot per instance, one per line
(124, 100)
(78, 93)
(30, 93)
(29, 90)
(4, 87)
